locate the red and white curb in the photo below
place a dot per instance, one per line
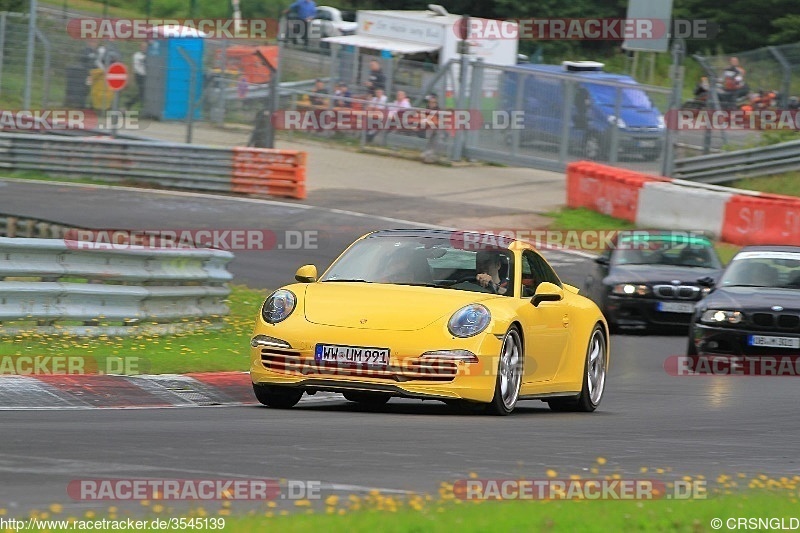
(59, 391)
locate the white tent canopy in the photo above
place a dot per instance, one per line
(376, 43)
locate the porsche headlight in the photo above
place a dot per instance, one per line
(278, 306)
(629, 289)
(719, 316)
(469, 320)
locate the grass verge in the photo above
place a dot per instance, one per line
(197, 351)
(568, 516)
(417, 513)
(788, 184)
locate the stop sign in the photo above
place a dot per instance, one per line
(116, 76)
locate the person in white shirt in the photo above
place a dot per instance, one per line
(139, 73)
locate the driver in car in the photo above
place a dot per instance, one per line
(488, 264)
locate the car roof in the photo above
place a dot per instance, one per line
(452, 235)
(770, 248)
(586, 74)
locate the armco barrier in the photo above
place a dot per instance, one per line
(276, 173)
(174, 165)
(764, 219)
(735, 216)
(45, 282)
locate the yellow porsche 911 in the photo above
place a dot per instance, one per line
(465, 318)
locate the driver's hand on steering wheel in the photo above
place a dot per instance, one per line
(485, 280)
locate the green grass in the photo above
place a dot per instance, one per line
(586, 219)
(567, 516)
(788, 184)
(203, 350)
(377, 512)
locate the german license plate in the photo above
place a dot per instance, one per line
(675, 307)
(351, 355)
(647, 144)
(774, 342)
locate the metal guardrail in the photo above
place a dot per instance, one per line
(167, 164)
(730, 166)
(117, 291)
(173, 165)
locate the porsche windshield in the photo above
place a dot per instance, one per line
(425, 261)
(763, 269)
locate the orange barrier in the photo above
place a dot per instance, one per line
(609, 190)
(762, 219)
(271, 172)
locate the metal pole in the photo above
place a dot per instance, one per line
(45, 68)
(458, 144)
(668, 164)
(786, 85)
(190, 104)
(26, 100)
(275, 85)
(3, 17)
(114, 108)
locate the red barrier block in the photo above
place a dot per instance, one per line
(609, 190)
(765, 219)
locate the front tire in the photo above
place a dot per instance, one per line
(594, 377)
(277, 397)
(595, 148)
(509, 375)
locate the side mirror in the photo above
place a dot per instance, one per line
(306, 274)
(547, 292)
(602, 260)
(707, 281)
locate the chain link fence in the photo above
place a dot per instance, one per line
(532, 115)
(772, 69)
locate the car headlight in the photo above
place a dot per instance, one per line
(618, 121)
(278, 306)
(629, 289)
(469, 320)
(661, 124)
(719, 316)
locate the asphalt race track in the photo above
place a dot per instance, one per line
(685, 425)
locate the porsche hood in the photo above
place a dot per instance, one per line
(378, 306)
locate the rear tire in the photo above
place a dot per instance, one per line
(277, 397)
(366, 398)
(594, 377)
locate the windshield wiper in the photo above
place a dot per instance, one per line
(353, 280)
(422, 285)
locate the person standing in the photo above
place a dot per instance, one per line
(303, 11)
(376, 80)
(139, 74)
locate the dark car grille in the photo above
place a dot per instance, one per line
(291, 362)
(681, 292)
(776, 320)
